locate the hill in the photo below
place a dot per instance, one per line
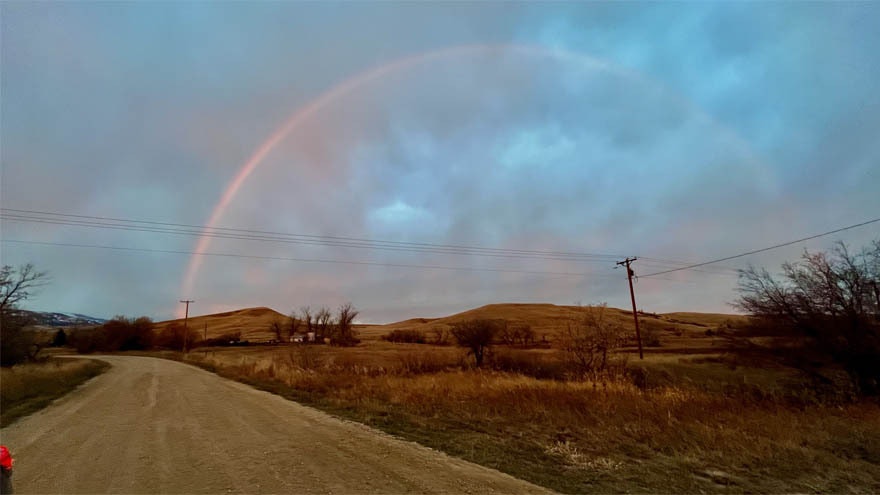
(677, 330)
(680, 331)
(53, 319)
(253, 323)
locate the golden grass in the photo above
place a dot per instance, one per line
(27, 388)
(577, 436)
(253, 323)
(677, 330)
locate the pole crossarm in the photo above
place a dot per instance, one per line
(629, 275)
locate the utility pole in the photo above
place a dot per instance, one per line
(632, 296)
(185, 319)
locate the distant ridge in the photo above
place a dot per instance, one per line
(54, 319)
(546, 320)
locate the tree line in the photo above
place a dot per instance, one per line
(318, 326)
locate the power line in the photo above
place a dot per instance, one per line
(55, 218)
(306, 260)
(789, 243)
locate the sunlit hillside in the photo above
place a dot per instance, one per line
(677, 330)
(253, 323)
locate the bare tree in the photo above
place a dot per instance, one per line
(831, 300)
(344, 329)
(477, 336)
(308, 318)
(323, 319)
(277, 328)
(293, 325)
(590, 340)
(16, 285)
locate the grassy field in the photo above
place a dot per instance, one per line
(27, 388)
(703, 425)
(693, 416)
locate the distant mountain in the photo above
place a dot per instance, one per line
(44, 318)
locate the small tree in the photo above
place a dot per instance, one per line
(60, 338)
(293, 325)
(477, 336)
(344, 333)
(277, 328)
(830, 301)
(590, 340)
(126, 334)
(308, 318)
(172, 337)
(323, 320)
(16, 285)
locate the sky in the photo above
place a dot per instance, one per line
(673, 132)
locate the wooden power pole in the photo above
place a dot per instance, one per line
(632, 297)
(185, 319)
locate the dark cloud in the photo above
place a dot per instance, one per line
(685, 131)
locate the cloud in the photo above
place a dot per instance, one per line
(688, 131)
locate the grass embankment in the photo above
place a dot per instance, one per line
(27, 388)
(585, 436)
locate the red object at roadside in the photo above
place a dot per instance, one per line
(5, 458)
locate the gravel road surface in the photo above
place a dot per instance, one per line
(156, 426)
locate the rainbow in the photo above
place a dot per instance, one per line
(359, 80)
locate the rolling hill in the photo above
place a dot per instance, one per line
(253, 323)
(681, 330)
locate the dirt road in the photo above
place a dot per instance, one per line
(154, 426)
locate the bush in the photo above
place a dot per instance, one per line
(118, 334)
(516, 334)
(126, 334)
(174, 336)
(590, 341)
(530, 364)
(650, 337)
(87, 340)
(60, 338)
(477, 336)
(403, 336)
(226, 339)
(830, 302)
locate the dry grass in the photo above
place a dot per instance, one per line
(688, 419)
(575, 436)
(30, 387)
(253, 323)
(678, 332)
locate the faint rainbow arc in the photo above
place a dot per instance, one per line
(362, 78)
(317, 104)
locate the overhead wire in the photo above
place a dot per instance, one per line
(755, 251)
(306, 260)
(55, 218)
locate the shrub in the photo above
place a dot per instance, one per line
(650, 337)
(477, 336)
(530, 364)
(440, 335)
(405, 336)
(590, 341)
(174, 337)
(830, 302)
(126, 334)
